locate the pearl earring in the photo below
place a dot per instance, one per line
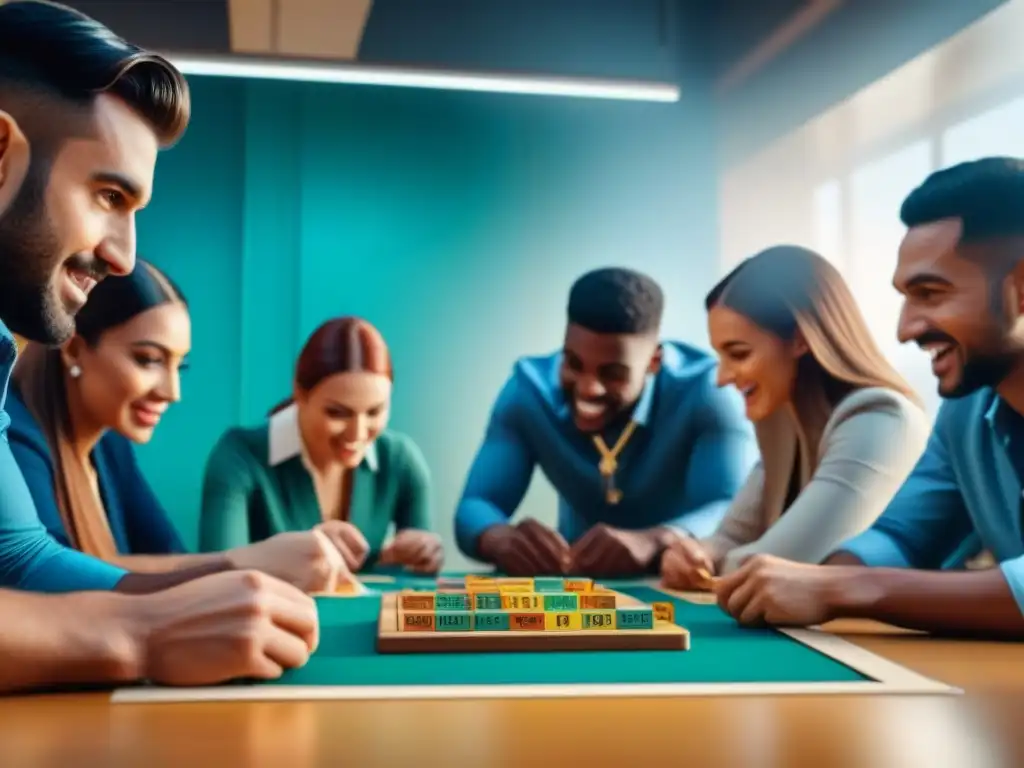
(75, 371)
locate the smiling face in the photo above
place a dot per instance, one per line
(341, 416)
(956, 310)
(132, 375)
(603, 374)
(68, 221)
(762, 366)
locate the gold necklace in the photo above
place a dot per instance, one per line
(610, 463)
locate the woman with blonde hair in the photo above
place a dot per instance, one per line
(837, 427)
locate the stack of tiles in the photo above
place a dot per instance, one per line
(482, 604)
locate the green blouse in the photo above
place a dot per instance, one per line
(257, 485)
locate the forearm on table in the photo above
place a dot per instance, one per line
(978, 603)
(164, 563)
(80, 638)
(141, 583)
(473, 518)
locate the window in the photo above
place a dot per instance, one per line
(877, 190)
(828, 222)
(996, 132)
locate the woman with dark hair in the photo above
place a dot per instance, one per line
(75, 411)
(326, 454)
(837, 427)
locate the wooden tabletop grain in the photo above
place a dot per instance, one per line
(984, 728)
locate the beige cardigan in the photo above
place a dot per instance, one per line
(869, 444)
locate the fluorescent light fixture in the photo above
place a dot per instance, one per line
(365, 74)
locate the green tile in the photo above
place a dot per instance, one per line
(562, 601)
(490, 621)
(634, 618)
(453, 621)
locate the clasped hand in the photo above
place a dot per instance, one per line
(767, 590)
(530, 548)
(419, 551)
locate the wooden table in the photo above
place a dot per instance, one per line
(984, 728)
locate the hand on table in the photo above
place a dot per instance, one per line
(770, 590)
(308, 560)
(683, 563)
(235, 624)
(349, 541)
(419, 551)
(614, 552)
(527, 549)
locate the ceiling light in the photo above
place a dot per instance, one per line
(362, 74)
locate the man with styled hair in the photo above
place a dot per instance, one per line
(83, 115)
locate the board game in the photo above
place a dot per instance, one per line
(487, 614)
(721, 658)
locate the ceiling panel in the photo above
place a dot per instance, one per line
(738, 26)
(199, 26)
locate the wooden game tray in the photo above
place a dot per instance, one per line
(663, 637)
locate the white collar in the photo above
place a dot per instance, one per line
(285, 441)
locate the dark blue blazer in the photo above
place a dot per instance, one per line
(138, 521)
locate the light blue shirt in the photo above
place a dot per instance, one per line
(30, 559)
(966, 489)
(689, 455)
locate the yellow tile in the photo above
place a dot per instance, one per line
(563, 621)
(522, 601)
(664, 611)
(598, 620)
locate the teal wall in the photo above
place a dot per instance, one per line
(453, 221)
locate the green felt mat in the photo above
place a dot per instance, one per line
(721, 652)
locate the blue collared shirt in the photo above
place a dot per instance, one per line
(967, 487)
(29, 558)
(691, 452)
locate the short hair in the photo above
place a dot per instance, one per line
(54, 50)
(987, 195)
(616, 300)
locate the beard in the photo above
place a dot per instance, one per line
(30, 256)
(981, 370)
(982, 365)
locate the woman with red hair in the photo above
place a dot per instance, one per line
(326, 454)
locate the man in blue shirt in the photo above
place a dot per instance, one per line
(69, 197)
(82, 116)
(634, 434)
(961, 272)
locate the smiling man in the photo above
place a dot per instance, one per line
(633, 433)
(82, 115)
(961, 272)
